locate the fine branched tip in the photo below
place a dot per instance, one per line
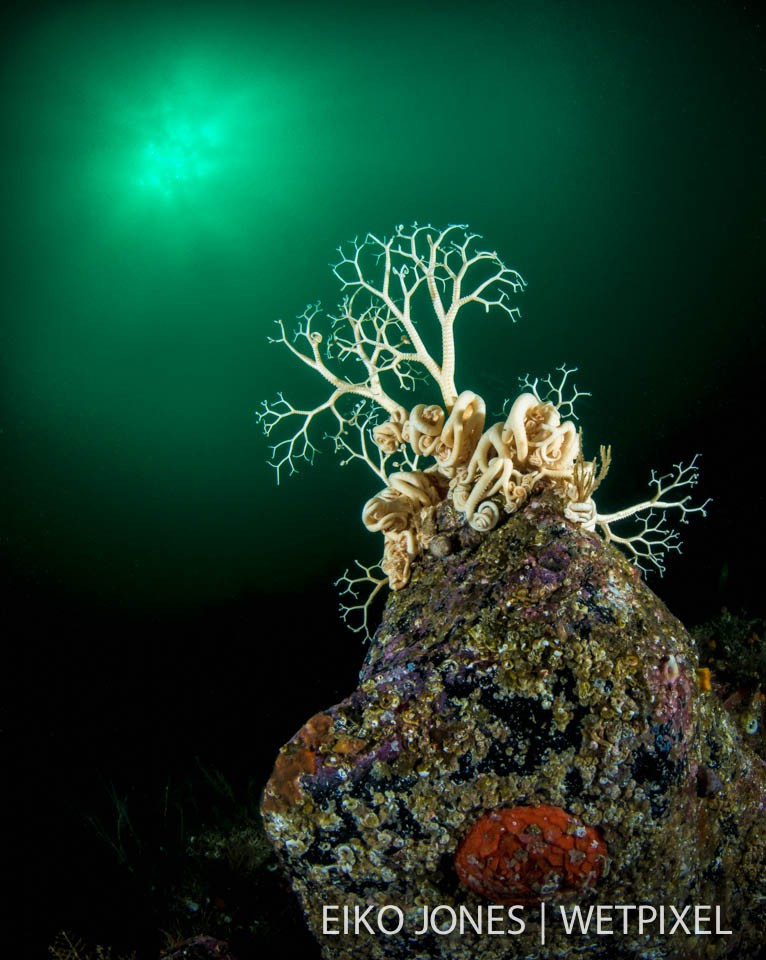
(381, 344)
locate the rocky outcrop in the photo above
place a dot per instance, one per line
(529, 707)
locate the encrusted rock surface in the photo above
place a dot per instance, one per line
(527, 667)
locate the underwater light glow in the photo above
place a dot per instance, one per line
(180, 154)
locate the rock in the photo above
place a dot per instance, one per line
(530, 707)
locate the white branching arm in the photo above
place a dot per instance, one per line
(391, 272)
(369, 387)
(562, 395)
(361, 590)
(354, 440)
(375, 345)
(378, 347)
(653, 539)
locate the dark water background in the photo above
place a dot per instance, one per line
(176, 177)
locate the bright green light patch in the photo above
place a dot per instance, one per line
(179, 157)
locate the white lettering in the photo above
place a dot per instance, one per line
(699, 920)
(451, 921)
(327, 919)
(725, 933)
(646, 916)
(399, 916)
(475, 922)
(361, 918)
(520, 925)
(424, 928)
(576, 915)
(604, 919)
(680, 919)
(494, 918)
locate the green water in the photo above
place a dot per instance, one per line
(177, 177)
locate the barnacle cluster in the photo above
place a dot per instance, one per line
(377, 346)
